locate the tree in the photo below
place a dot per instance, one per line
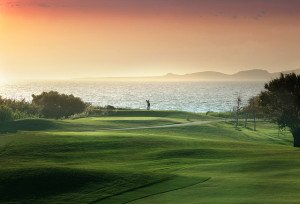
(55, 105)
(237, 110)
(254, 108)
(245, 112)
(6, 114)
(281, 100)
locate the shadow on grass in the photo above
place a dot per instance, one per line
(27, 125)
(250, 128)
(34, 183)
(31, 184)
(238, 128)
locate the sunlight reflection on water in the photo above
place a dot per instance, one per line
(185, 96)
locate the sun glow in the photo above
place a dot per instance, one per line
(95, 38)
(3, 78)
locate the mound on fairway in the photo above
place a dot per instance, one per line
(39, 182)
(82, 161)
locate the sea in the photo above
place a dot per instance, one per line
(183, 96)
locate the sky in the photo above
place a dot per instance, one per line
(63, 39)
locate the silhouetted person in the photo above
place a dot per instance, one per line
(148, 104)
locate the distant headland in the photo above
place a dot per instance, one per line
(248, 75)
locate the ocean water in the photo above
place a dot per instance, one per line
(184, 96)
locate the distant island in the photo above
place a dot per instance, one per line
(248, 75)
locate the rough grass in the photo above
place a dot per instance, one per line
(73, 161)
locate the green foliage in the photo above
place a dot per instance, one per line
(100, 111)
(281, 100)
(95, 111)
(6, 114)
(253, 106)
(55, 105)
(21, 109)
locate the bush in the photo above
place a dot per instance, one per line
(21, 109)
(100, 111)
(55, 105)
(6, 114)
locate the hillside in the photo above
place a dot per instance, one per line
(249, 75)
(121, 159)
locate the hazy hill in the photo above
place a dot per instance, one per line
(255, 74)
(248, 75)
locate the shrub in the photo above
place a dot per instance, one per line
(21, 109)
(100, 111)
(6, 114)
(55, 105)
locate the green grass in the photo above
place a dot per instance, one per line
(80, 161)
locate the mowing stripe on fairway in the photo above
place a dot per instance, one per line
(162, 126)
(114, 196)
(167, 191)
(133, 189)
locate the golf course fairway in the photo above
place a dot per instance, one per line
(147, 157)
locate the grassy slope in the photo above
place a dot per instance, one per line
(72, 161)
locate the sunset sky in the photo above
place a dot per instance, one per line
(58, 39)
